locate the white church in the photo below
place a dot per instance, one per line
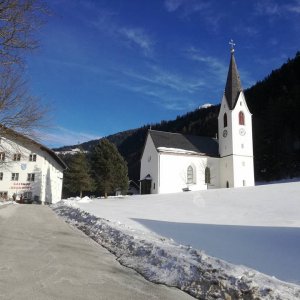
(29, 171)
(173, 162)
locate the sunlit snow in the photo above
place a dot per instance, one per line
(258, 227)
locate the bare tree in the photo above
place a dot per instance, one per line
(19, 20)
(19, 111)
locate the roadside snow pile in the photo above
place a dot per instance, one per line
(7, 202)
(85, 200)
(163, 261)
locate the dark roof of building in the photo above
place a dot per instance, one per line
(233, 83)
(200, 144)
(18, 136)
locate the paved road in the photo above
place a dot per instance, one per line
(41, 257)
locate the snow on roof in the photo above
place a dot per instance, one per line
(176, 150)
(192, 143)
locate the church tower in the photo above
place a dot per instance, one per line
(235, 133)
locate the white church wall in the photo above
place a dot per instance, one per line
(173, 172)
(226, 171)
(237, 171)
(24, 167)
(225, 142)
(214, 165)
(244, 170)
(150, 164)
(242, 134)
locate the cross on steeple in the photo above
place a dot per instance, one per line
(232, 44)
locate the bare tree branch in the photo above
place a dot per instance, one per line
(19, 20)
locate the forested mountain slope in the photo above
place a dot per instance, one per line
(275, 105)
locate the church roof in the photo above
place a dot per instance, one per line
(233, 83)
(199, 144)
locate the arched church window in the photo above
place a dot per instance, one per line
(207, 175)
(225, 120)
(241, 118)
(190, 175)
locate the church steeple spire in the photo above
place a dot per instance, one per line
(233, 84)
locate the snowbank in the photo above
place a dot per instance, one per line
(161, 260)
(7, 202)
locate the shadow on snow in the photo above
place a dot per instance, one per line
(271, 250)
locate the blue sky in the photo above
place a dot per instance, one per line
(104, 66)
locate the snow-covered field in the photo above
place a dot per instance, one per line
(257, 227)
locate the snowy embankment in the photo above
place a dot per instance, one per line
(133, 234)
(3, 203)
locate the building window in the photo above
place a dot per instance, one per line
(225, 120)
(17, 157)
(30, 177)
(2, 156)
(207, 175)
(32, 157)
(241, 118)
(1, 175)
(14, 176)
(190, 175)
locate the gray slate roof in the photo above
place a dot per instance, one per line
(233, 84)
(200, 144)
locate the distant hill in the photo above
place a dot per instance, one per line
(117, 139)
(275, 105)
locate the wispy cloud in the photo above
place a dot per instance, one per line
(293, 7)
(215, 71)
(137, 37)
(167, 99)
(274, 9)
(250, 31)
(212, 64)
(107, 22)
(165, 88)
(267, 7)
(188, 6)
(159, 77)
(206, 10)
(60, 136)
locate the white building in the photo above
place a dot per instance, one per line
(173, 162)
(28, 170)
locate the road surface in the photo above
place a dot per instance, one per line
(42, 257)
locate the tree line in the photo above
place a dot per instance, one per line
(101, 172)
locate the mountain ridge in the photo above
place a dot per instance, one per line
(275, 105)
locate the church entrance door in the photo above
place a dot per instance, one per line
(146, 187)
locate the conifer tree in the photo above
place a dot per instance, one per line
(77, 177)
(109, 168)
